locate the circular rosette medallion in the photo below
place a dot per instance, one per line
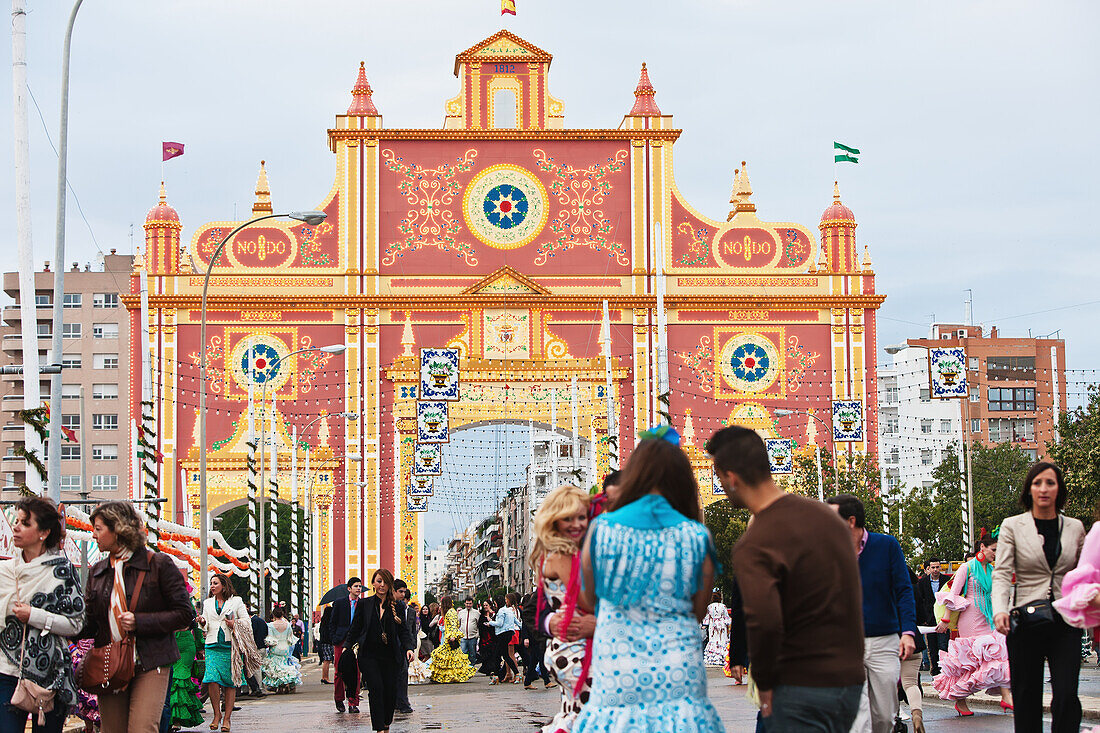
(262, 363)
(750, 362)
(505, 206)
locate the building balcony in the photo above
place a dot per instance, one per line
(12, 464)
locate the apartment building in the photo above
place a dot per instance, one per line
(95, 360)
(1017, 388)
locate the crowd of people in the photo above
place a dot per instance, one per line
(824, 620)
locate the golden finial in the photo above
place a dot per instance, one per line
(163, 194)
(263, 194)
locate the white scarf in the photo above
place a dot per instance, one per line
(20, 580)
(118, 594)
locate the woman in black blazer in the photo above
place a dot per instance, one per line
(383, 637)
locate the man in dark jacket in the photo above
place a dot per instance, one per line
(927, 587)
(535, 644)
(343, 612)
(403, 706)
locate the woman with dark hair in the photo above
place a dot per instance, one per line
(505, 625)
(1038, 548)
(717, 624)
(228, 636)
(325, 650)
(134, 592)
(424, 636)
(384, 639)
(448, 662)
(281, 671)
(650, 562)
(977, 659)
(42, 607)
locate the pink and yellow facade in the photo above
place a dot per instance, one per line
(502, 234)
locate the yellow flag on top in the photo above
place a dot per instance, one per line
(507, 7)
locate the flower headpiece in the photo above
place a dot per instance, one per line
(661, 432)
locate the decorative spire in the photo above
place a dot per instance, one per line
(163, 195)
(866, 264)
(263, 194)
(741, 196)
(361, 102)
(822, 259)
(734, 199)
(323, 432)
(407, 340)
(644, 103)
(836, 192)
(689, 428)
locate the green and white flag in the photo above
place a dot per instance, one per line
(844, 154)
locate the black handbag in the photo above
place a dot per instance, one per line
(1036, 614)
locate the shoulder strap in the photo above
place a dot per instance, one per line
(140, 581)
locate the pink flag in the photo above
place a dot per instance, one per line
(170, 150)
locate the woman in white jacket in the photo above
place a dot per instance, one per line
(221, 612)
(41, 602)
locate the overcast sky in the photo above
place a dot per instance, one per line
(977, 121)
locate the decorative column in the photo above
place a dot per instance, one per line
(409, 551)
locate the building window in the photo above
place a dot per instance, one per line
(1012, 429)
(1005, 368)
(70, 362)
(70, 421)
(1032, 454)
(891, 395)
(895, 455)
(70, 452)
(104, 452)
(891, 424)
(104, 483)
(105, 300)
(104, 391)
(1008, 399)
(975, 394)
(73, 300)
(105, 361)
(104, 422)
(565, 450)
(70, 483)
(43, 301)
(945, 426)
(105, 330)
(925, 395)
(926, 427)
(45, 330)
(975, 425)
(926, 456)
(70, 330)
(975, 363)
(70, 391)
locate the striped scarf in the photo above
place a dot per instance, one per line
(118, 594)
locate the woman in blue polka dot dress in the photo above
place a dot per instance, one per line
(650, 563)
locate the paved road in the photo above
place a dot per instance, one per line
(477, 707)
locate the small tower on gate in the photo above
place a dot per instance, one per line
(162, 238)
(838, 237)
(645, 114)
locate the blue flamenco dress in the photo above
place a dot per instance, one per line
(647, 663)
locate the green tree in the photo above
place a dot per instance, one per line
(1077, 451)
(233, 524)
(726, 525)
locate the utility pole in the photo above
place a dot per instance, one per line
(32, 395)
(54, 469)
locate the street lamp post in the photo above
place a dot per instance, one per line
(312, 218)
(262, 549)
(308, 580)
(783, 412)
(964, 452)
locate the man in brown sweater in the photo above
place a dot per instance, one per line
(799, 579)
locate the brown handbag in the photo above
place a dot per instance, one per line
(110, 668)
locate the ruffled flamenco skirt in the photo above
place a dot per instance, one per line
(450, 665)
(419, 673)
(972, 664)
(279, 671)
(184, 702)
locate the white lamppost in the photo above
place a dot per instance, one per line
(783, 412)
(313, 218)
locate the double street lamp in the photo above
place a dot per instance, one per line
(783, 412)
(312, 218)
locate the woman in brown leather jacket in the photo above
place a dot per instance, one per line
(161, 608)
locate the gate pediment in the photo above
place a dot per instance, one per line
(506, 281)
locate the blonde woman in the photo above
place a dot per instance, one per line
(559, 528)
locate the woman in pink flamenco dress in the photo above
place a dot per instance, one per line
(978, 658)
(1080, 601)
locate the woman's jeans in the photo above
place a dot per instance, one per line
(14, 720)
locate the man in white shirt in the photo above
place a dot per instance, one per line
(467, 625)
